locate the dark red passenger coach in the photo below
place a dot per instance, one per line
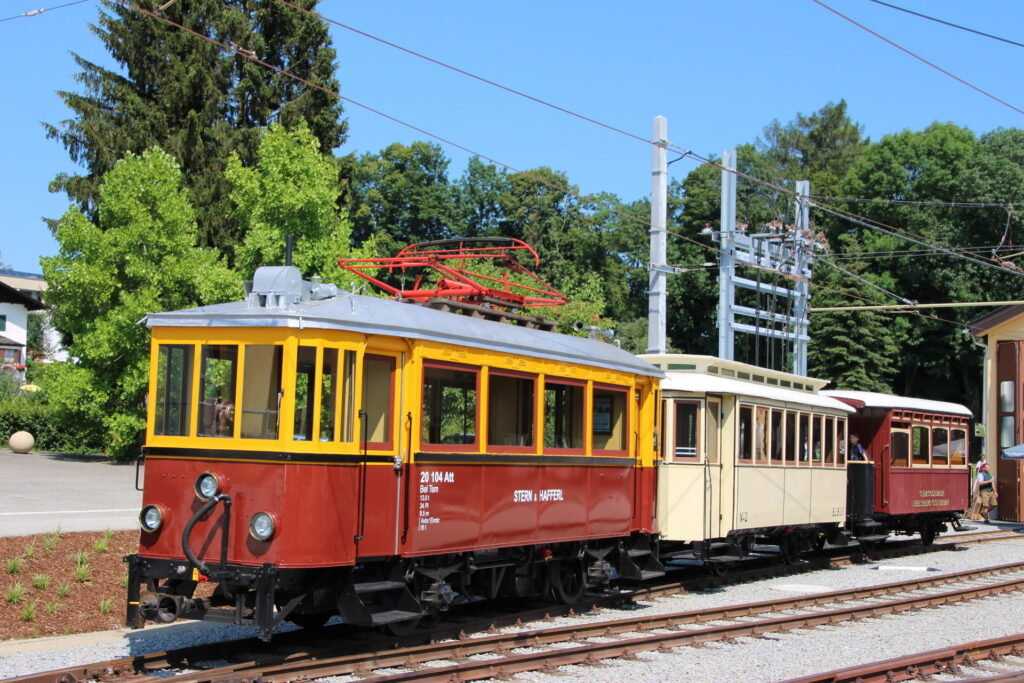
(919, 476)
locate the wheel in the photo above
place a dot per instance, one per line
(928, 534)
(568, 581)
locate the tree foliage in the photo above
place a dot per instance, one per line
(197, 102)
(137, 258)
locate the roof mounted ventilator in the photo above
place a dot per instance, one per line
(281, 287)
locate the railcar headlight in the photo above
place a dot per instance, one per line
(262, 526)
(208, 485)
(151, 518)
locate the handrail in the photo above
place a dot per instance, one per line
(200, 513)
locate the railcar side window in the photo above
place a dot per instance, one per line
(609, 420)
(687, 414)
(958, 447)
(305, 391)
(510, 410)
(330, 376)
(920, 445)
(378, 390)
(712, 432)
(791, 454)
(746, 434)
(563, 415)
(261, 391)
(218, 367)
(173, 389)
(449, 405)
(940, 447)
(816, 439)
(899, 445)
(841, 442)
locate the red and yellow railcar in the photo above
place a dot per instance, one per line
(917, 479)
(310, 453)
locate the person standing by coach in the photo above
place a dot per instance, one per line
(985, 491)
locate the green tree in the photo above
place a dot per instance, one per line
(139, 257)
(292, 190)
(197, 102)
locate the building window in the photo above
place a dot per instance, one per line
(563, 415)
(173, 389)
(510, 411)
(11, 356)
(218, 368)
(3, 323)
(449, 406)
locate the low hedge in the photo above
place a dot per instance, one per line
(53, 429)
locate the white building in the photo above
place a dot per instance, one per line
(14, 309)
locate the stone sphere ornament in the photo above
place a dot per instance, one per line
(21, 442)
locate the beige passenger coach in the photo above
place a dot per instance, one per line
(748, 456)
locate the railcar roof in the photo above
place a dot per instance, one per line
(370, 315)
(711, 384)
(871, 399)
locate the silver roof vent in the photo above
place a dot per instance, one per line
(279, 287)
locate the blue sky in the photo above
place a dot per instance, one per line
(719, 71)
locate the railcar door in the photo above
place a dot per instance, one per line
(1008, 426)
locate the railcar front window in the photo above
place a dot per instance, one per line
(305, 392)
(609, 420)
(218, 368)
(563, 415)
(920, 445)
(449, 405)
(173, 389)
(261, 391)
(940, 447)
(510, 411)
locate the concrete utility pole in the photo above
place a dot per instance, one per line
(657, 289)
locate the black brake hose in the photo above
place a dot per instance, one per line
(200, 513)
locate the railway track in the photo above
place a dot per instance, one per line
(1002, 658)
(293, 652)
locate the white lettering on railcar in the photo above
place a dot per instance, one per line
(430, 481)
(542, 496)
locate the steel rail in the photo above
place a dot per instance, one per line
(947, 660)
(363, 664)
(296, 642)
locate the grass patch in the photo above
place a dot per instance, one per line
(106, 605)
(64, 589)
(16, 594)
(41, 581)
(28, 612)
(14, 565)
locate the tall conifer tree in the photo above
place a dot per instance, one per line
(194, 99)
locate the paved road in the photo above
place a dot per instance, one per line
(38, 491)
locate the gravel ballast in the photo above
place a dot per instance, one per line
(771, 658)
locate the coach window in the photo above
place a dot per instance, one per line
(563, 415)
(919, 445)
(940, 447)
(610, 421)
(217, 374)
(305, 392)
(449, 406)
(761, 429)
(958, 447)
(712, 432)
(173, 389)
(777, 437)
(804, 439)
(830, 440)
(510, 410)
(816, 439)
(337, 391)
(746, 434)
(899, 444)
(841, 442)
(375, 429)
(686, 430)
(790, 452)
